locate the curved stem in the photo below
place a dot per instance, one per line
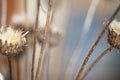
(95, 44)
(95, 62)
(86, 26)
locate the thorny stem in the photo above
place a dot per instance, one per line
(95, 44)
(10, 67)
(44, 39)
(95, 62)
(35, 37)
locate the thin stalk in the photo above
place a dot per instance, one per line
(48, 64)
(47, 54)
(26, 67)
(44, 64)
(18, 68)
(35, 37)
(87, 24)
(95, 62)
(40, 61)
(26, 56)
(44, 39)
(95, 44)
(10, 67)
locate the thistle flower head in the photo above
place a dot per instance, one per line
(55, 35)
(11, 41)
(115, 26)
(114, 34)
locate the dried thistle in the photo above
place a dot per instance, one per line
(95, 44)
(114, 34)
(12, 41)
(55, 35)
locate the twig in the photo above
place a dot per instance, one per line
(95, 62)
(10, 66)
(44, 39)
(95, 44)
(35, 37)
(87, 24)
(47, 54)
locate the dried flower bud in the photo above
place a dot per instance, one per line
(11, 41)
(114, 34)
(55, 35)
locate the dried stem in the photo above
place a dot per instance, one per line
(48, 63)
(87, 24)
(95, 44)
(47, 54)
(10, 67)
(44, 39)
(95, 62)
(35, 37)
(18, 68)
(40, 61)
(26, 66)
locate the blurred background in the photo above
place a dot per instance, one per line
(80, 22)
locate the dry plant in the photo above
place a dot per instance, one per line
(35, 38)
(46, 30)
(95, 44)
(13, 49)
(95, 62)
(11, 45)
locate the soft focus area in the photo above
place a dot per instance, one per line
(74, 27)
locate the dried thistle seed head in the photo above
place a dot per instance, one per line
(114, 34)
(54, 36)
(22, 21)
(12, 41)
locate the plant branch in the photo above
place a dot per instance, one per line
(95, 62)
(44, 39)
(35, 37)
(95, 44)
